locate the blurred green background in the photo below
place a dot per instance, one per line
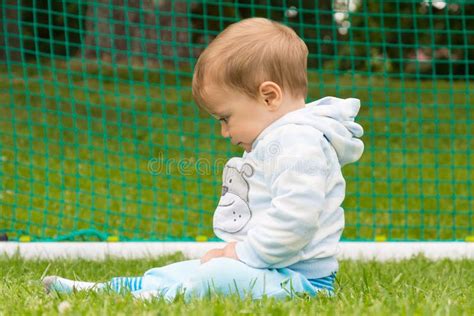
(100, 138)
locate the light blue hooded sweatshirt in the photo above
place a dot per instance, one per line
(281, 202)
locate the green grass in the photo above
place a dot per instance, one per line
(76, 142)
(410, 287)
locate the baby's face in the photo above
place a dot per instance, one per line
(242, 118)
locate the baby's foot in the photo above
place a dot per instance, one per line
(58, 284)
(54, 283)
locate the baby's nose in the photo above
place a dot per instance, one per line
(224, 189)
(224, 130)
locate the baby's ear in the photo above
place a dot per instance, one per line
(271, 93)
(247, 170)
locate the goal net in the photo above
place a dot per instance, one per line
(100, 138)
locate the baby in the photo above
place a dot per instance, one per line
(280, 209)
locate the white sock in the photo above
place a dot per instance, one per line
(65, 285)
(79, 285)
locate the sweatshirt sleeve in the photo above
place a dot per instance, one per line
(295, 173)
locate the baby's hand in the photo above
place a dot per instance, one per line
(228, 251)
(211, 254)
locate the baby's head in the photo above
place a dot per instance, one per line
(251, 74)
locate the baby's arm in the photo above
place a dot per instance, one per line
(297, 183)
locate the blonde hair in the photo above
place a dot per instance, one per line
(250, 52)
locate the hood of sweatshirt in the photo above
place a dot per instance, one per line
(332, 116)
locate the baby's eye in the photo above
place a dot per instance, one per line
(223, 119)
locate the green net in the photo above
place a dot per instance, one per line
(100, 138)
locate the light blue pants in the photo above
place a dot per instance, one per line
(220, 275)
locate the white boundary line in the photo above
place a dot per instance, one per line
(132, 250)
